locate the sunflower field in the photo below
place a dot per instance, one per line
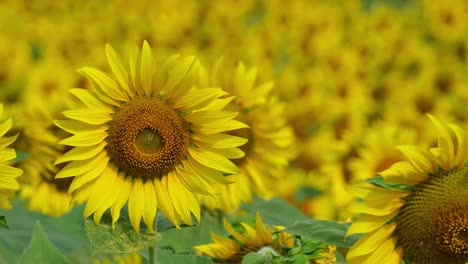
(235, 131)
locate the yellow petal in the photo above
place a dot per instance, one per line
(213, 160)
(203, 117)
(82, 179)
(101, 190)
(136, 204)
(208, 173)
(106, 83)
(371, 241)
(5, 126)
(182, 200)
(197, 98)
(422, 160)
(219, 140)
(262, 233)
(7, 154)
(134, 67)
(368, 223)
(81, 153)
(90, 100)
(85, 139)
(89, 116)
(193, 181)
(444, 141)
(460, 146)
(151, 205)
(75, 127)
(75, 168)
(403, 172)
(123, 187)
(147, 68)
(217, 127)
(164, 200)
(115, 62)
(377, 207)
(181, 78)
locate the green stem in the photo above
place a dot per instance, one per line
(151, 255)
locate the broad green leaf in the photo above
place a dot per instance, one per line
(67, 232)
(275, 211)
(329, 232)
(339, 258)
(122, 239)
(306, 192)
(167, 256)
(254, 258)
(3, 222)
(41, 250)
(184, 239)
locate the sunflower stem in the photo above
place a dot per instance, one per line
(151, 255)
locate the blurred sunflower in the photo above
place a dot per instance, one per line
(421, 216)
(149, 137)
(270, 138)
(8, 174)
(43, 100)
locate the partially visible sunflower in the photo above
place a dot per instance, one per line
(279, 246)
(44, 98)
(234, 248)
(148, 135)
(270, 138)
(8, 174)
(421, 215)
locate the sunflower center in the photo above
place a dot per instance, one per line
(433, 224)
(149, 140)
(147, 137)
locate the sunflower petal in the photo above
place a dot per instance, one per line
(81, 153)
(89, 99)
(75, 168)
(115, 62)
(136, 202)
(147, 68)
(106, 83)
(89, 116)
(213, 160)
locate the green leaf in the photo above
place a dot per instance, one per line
(67, 232)
(122, 239)
(184, 239)
(306, 192)
(3, 222)
(167, 256)
(41, 250)
(329, 232)
(379, 181)
(275, 211)
(254, 258)
(300, 259)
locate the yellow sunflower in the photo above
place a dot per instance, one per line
(8, 174)
(233, 249)
(421, 215)
(270, 138)
(150, 136)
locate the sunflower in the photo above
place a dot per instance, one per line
(149, 136)
(8, 174)
(267, 241)
(270, 138)
(234, 248)
(44, 99)
(421, 213)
